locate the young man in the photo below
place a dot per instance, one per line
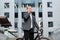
(29, 24)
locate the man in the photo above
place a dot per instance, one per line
(29, 24)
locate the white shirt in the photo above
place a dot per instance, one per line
(31, 21)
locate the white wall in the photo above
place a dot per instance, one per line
(11, 11)
(1, 7)
(56, 10)
(56, 14)
(44, 10)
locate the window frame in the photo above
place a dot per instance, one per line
(50, 14)
(50, 24)
(49, 4)
(6, 5)
(6, 14)
(16, 15)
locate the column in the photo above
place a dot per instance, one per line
(20, 32)
(11, 13)
(36, 11)
(1, 8)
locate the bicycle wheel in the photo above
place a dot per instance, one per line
(19, 39)
(38, 38)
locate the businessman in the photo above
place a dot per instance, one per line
(29, 24)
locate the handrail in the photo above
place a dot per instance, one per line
(12, 33)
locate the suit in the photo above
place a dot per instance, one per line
(28, 31)
(27, 22)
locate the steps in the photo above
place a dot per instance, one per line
(11, 38)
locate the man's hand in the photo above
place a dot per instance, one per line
(26, 16)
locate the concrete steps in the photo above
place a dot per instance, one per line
(12, 39)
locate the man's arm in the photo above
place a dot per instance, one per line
(35, 23)
(26, 16)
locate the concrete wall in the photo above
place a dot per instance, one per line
(1, 8)
(10, 10)
(56, 14)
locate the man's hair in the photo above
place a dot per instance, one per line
(29, 6)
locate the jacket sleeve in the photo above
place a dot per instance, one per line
(35, 23)
(26, 16)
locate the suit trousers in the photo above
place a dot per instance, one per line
(29, 34)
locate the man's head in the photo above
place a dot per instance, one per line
(29, 9)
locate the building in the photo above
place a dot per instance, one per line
(46, 11)
(7, 9)
(51, 22)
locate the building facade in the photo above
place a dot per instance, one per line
(51, 23)
(45, 11)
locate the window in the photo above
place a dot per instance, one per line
(50, 34)
(25, 5)
(49, 4)
(6, 14)
(50, 24)
(50, 14)
(40, 5)
(16, 15)
(32, 4)
(40, 14)
(6, 5)
(16, 24)
(23, 13)
(15, 5)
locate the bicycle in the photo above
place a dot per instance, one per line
(38, 37)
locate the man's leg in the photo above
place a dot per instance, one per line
(31, 34)
(26, 34)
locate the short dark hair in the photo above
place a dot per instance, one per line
(29, 6)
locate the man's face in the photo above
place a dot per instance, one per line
(29, 9)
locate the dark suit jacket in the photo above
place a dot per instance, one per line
(27, 22)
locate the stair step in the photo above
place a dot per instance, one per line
(12, 39)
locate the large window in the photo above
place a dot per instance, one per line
(24, 5)
(49, 4)
(40, 5)
(16, 15)
(15, 5)
(50, 24)
(27, 4)
(23, 13)
(50, 14)
(50, 34)
(16, 24)
(6, 5)
(40, 14)
(6, 14)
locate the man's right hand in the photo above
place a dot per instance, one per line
(26, 16)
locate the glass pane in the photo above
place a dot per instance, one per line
(6, 5)
(7, 14)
